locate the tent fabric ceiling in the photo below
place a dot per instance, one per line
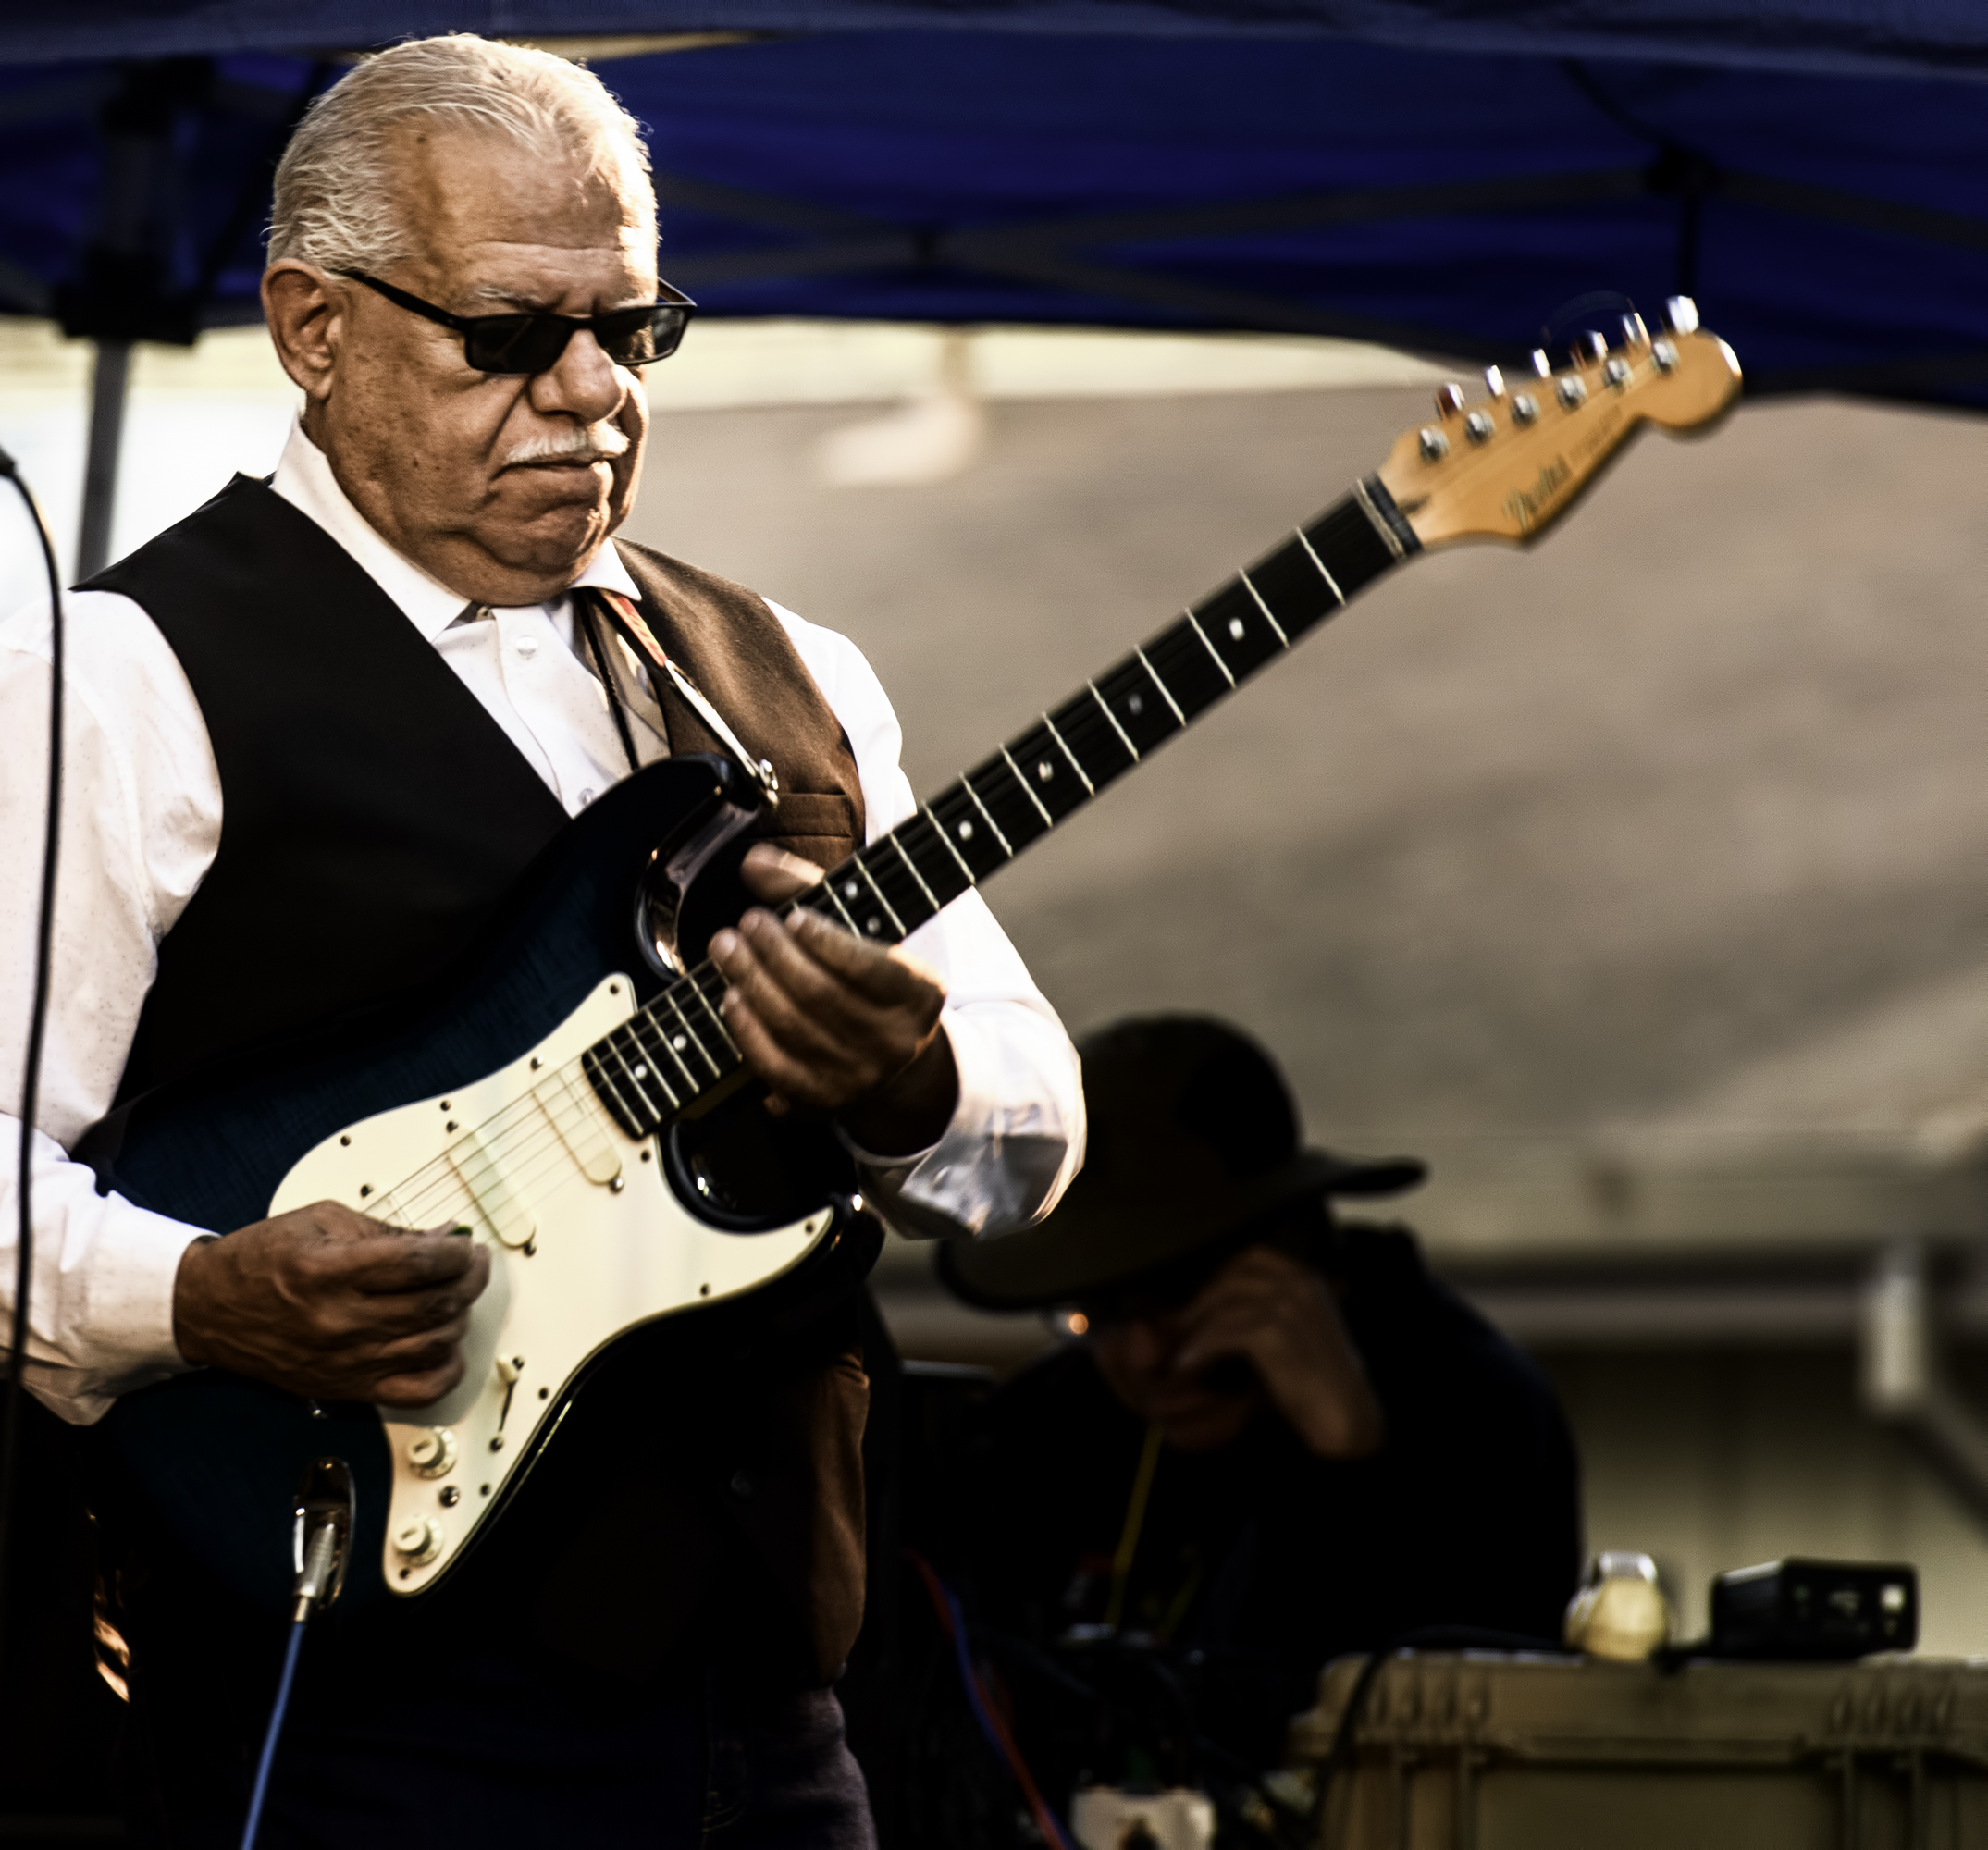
(1945, 36)
(1834, 226)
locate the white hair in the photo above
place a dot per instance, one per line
(337, 203)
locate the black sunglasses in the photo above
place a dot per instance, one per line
(532, 343)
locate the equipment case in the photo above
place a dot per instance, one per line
(1484, 1752)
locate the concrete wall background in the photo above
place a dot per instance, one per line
(1656, 855)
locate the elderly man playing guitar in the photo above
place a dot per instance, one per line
(317, 732)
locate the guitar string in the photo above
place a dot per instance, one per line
(441, 1181)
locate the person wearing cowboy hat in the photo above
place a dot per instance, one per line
(1277, 1439)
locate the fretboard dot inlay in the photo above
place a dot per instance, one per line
(646, 1073)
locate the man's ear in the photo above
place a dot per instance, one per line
(305, 309)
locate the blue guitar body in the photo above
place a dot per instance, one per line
(624, 1231)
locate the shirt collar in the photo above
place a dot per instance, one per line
(304, 478)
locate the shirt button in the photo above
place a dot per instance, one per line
(587, 797)
(528, 647)
(742, 1487)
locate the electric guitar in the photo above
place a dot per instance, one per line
(551, 1097)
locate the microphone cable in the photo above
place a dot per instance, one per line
(30, 1083)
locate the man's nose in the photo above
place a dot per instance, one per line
(584, 383)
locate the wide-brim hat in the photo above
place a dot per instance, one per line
(1192, 1137)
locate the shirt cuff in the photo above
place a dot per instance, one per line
(995, 1167)
(132, 1275)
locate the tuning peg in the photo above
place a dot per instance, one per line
(1589, 348)
(1542, 366)
(1494, 381)
(1681, 315)
(1633, 333)
(1448, 400)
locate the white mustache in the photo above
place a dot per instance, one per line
(597, 443)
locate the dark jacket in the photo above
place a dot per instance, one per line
(1258, 1565)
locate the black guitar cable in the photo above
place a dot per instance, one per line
(31, 1080)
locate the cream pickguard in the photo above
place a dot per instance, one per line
(585, 1241)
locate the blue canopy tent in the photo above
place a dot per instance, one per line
(1436, 176)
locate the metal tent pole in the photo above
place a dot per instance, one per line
(109, 389)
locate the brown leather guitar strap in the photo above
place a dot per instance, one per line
(622, 613)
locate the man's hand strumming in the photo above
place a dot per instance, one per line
(332, 1305)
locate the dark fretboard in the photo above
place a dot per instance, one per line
(676, 1048)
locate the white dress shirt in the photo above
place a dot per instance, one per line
(140, 824)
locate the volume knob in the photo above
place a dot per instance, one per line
(432, 1452)
(417, 1543)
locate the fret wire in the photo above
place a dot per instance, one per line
(941, 872)
(1089, 788)
(1105, 705)
(647, 1020)
(1196, 681)
(1268, 618)
(603, 1083)
(883, 866)
(1049, 821)
(1095, 739)
(627, 1074)
(1211, 649)
(939, 829)
(634, 1077)
(886, 904)
(1165, 694)
(634, 1027)
(930, 899)
(697, 1040)
(966, 783)
(669, 1042)
(828, 886)
(713, 1013)
(1332, 584)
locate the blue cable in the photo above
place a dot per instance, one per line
(970, 1684)
(275, 1728)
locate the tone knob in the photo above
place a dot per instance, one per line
(431, 1451)
(417, 1543)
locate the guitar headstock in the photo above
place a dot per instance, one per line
(1508, 465)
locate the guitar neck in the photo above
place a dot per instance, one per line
(676, 1051)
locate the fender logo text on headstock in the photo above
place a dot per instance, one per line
(1525, 505)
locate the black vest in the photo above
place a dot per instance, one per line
(374, 816)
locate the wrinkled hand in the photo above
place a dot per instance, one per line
(332, 1305)
(832, 1023)
(1279, 1316)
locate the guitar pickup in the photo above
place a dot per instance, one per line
(501, 1207)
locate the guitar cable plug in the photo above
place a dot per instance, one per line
(324, 1511)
